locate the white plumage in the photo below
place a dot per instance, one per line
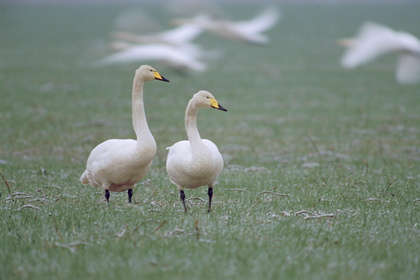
(178, 36)
(374, 40)
(117, 164)
(195, 162)
(184, 58)
(244, 31)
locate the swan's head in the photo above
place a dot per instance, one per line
(206, 100)
(148, 73)
(346, 42)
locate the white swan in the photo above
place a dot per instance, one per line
(183, 58)
(374, 40)
(243, 31)
(195, 162)
(178, 36)
(117, 164)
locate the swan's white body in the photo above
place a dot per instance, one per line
(374, 40)
(185, 58)
(117, 164)
(195, 162)
(244, 31)
(191, 167)
(178, 36)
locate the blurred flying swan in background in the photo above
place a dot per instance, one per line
(178, 36)
(244, 31)
(183, 58)
(175, 47)
(374, 40)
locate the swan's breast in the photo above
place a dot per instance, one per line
(192, 168)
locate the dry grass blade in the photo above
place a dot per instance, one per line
(274, 193)
(121, 234)
(253, 205)
(376, 199)
(71, 246)
(195, 198)
(57, 231)
(286, 214)
(148, 221)
(159, 227)
(197, 230)
(319, 216)
(23, 197)
(28, 206)
(7, 185)
(303, 212)
(176, 231)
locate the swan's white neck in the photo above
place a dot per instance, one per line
(191, 126)
(144, 136)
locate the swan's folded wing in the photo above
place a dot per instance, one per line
(408, 68)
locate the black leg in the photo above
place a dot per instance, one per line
(107, 196)
(182, 195)
(130, 195)
(210, 193)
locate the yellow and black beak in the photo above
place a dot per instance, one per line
(159, 77)
(214, 104)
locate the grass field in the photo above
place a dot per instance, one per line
(342, 144)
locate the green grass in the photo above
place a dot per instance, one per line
(345, 143)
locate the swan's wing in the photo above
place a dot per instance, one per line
(183, 64)
(214, 150)
(177, 36)
(408, 68)
(370, 29)
(372, 41)
(178, 161)
(178, 58)
(264, 21)
(186, 57)
(217, 157)
(132, 54)
(110, 151)
(179, 149)
(182, 34)
(211, 145)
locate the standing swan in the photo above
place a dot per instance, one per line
(117, 164)
(195, 162)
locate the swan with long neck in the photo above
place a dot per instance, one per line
(118, 164)
(195, 162)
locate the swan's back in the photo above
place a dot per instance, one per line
(113, 165)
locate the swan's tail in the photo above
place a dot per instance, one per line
(84, 179)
